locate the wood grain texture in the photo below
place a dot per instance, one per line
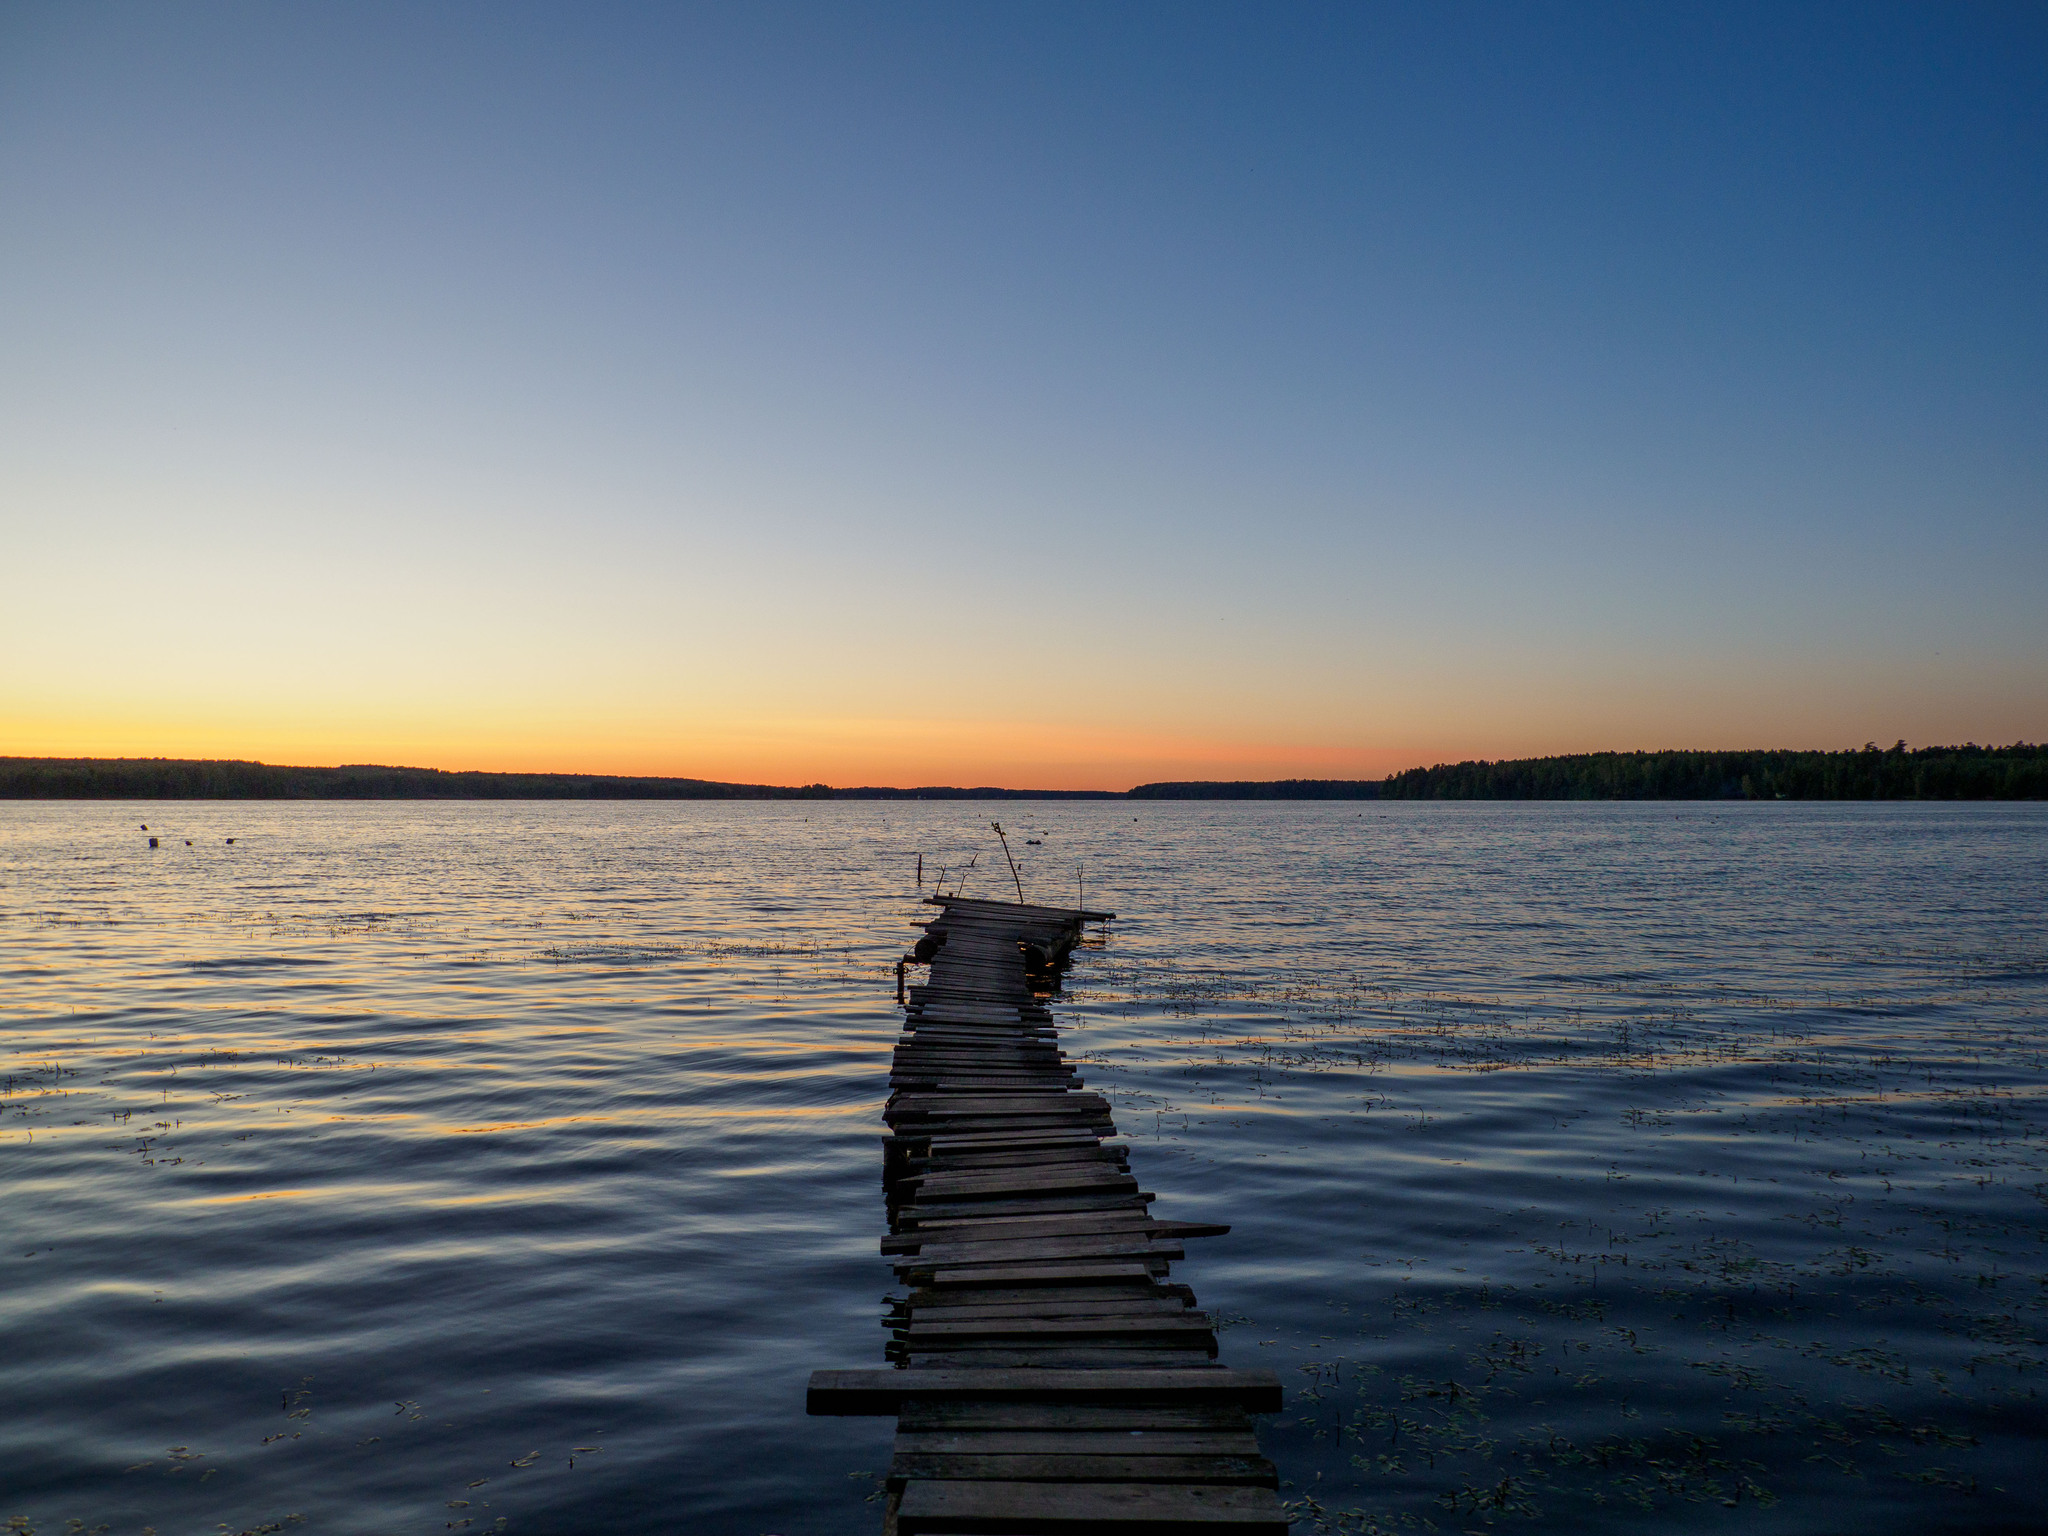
(1050, 1378)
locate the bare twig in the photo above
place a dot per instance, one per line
(1013, 863)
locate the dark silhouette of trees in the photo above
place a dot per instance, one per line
(2017, 772)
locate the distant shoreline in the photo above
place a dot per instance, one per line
(2017, 772)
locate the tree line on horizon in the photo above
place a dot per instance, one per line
(154, 778)
(1970, 772)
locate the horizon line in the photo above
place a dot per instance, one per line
(820, 789)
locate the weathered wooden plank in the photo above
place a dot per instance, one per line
(980, 1083)
(983, 1120)
(1252, 1470)
(941, 1210)
(937, 1017)
(1064, 1139)
(956, 1037)
(969, 908)
(941, 1116)
(942, 1127)
(1047, 1137)
(1077, 1138)
(1054, 1103)
(1107, 1290)
(1050, 1179)
(1106, 1168)
(1034, 1249)
(942, 1018)
(919, 1269)
(978, 1061)
(885, 1391)
(1190, 1228)
(1146, 1415)
(977, 1064)
(1052, 1303)
(972, 1508)
(1096, 1174)
(974, 1005)
(1185, 1325)
(1020, 1157)
(1074, 1127)
(958, 1011)
(1077, 1442)
(1083, 1356)
(995, 1164)
(984, 1062)
(1093, 1350)
(998, 1228)
(965, 1160)
(840, 1393)
(1040, 1274)
(977, 986)
(981, 1087)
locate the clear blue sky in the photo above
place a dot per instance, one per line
(1020, 393)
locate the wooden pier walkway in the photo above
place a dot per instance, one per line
(1047, 1377)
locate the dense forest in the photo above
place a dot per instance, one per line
(161, 778)
(2018, 772)
(154, 778)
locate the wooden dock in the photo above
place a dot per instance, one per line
(1047, 1377)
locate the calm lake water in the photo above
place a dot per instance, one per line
(405, 1168)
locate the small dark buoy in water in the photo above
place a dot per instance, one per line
(231, 839)
(188, 842)
(145, 826)
(152, 842)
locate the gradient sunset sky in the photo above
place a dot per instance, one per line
(1032, 394)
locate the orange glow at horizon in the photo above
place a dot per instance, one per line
(846, 754)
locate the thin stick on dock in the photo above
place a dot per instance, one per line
(1013, 863)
